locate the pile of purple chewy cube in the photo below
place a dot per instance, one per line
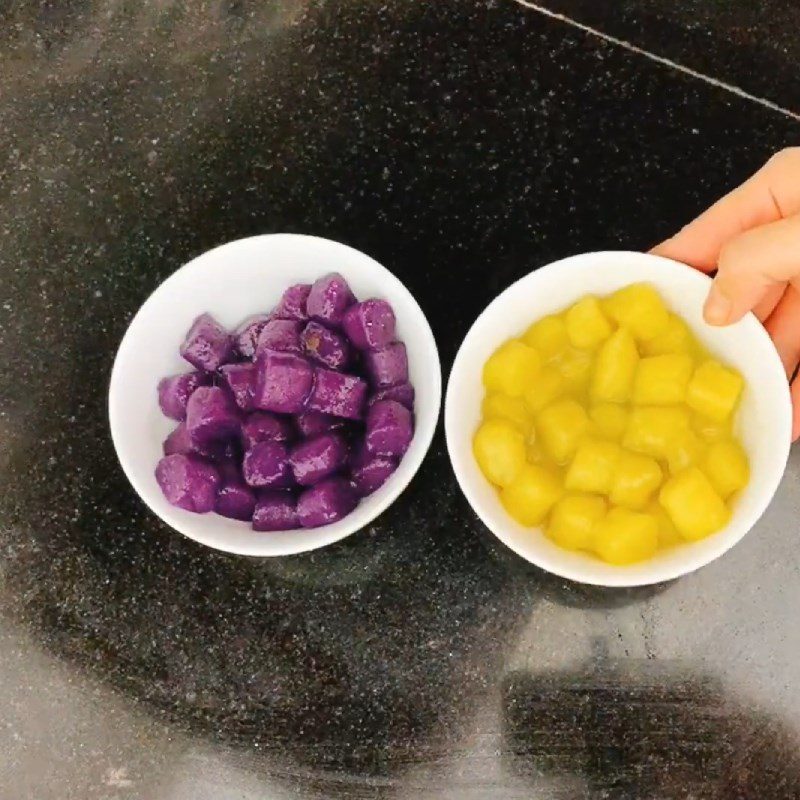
(294, 417)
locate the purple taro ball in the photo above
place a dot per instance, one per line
(325, 346)
(174, 393)
(275, 511)
(338, 394)
(293, 303)
(370, 474)
(188, 482)
(313, 423)
(261, 426)
(282, 335)
(390, 429)
(387, 366)
(240, 379)
(283, 382)
(207, 345)
(179, 442)
(403, 393)
(235, 500)
(315, 459)
(267, 464)
(369, 325)
(246, 336)
(211, 415)
(329, 298)
(326, 502)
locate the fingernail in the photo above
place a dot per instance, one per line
(718, 306)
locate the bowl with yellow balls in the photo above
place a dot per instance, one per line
(604, 432)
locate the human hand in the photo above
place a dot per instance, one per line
(752, 238)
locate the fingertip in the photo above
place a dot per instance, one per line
(661, 249)
(681, 248)
(718, 308)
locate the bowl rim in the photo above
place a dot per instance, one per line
(284, 543)
(619, 578)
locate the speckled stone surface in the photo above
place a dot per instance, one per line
(753, 46)
(461, 144)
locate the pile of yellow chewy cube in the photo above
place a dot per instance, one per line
(610, 425)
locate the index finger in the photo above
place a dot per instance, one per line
(771, 194)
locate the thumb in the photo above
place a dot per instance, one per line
(749, 268)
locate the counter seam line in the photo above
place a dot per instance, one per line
(630, 47)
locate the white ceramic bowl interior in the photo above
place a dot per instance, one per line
(233, 282)
(764, 421)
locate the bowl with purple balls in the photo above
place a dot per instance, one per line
(275, 394)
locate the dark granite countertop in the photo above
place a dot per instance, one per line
(461, 144)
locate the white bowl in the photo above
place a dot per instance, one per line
(765, 421)
(233, 282)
